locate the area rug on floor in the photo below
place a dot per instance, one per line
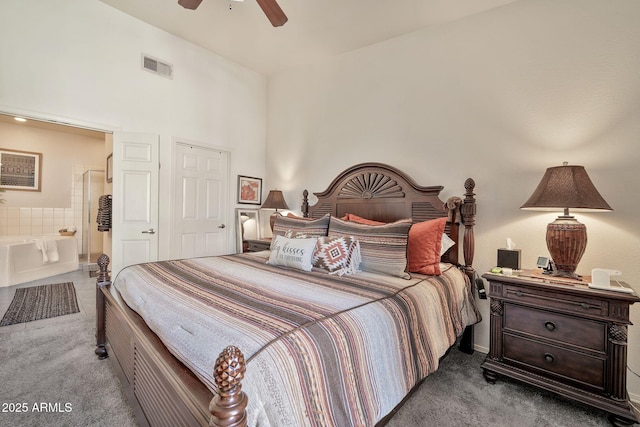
(41, 302)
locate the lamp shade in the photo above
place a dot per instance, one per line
(566, 187)
(275, 200)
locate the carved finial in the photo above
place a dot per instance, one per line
(103, 260)
(228, 406)
(229, 370)
(469, 185)
(103, 270)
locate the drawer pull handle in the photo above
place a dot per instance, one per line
(584, 305)
(519, 293)
(550, 326)
(549, 358)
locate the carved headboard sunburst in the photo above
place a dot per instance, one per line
(370, 186)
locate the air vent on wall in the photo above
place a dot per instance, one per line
(157, 66)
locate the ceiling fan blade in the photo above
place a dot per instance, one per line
(273, 12)
(190, 4)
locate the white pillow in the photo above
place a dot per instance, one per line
(294, 253)
(447, 242)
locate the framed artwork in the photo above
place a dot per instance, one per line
(20, 170)
(249, 190)
(247, 226)
(110, 167)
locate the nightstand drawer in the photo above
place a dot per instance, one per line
(578, 305)
(584, 333)
(259, 245)
(566, 363)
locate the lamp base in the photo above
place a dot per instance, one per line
(566, 242)
(565, 274)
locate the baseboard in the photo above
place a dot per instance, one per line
(634, 401)
(481, 349)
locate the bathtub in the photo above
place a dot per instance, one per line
(21, 260)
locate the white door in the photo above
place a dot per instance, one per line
(201, 202)
(135, 199)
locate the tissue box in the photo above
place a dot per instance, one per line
(509, 258)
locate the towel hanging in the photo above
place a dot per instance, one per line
(104, 213)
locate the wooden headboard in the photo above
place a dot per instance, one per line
(383, 193)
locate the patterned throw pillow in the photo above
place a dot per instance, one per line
(338, 255)
(294, 253)
(383, 247)
(297, 227)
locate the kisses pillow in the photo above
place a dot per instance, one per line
(294, 253)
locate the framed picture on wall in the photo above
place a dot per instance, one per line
(249, 190)
(20, 170)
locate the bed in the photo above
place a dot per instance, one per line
(284, 338)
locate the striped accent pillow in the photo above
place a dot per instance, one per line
(298, 227)
(383, 248)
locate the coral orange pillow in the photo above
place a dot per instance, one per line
(423, 249)
(360, 220)
(290, 215)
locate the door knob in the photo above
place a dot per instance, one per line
(150, 231)
(221, 226)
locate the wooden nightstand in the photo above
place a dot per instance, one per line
(257, 245)
(562, 337)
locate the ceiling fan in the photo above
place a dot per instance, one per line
(269, 7)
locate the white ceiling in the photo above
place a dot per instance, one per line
(316, 29)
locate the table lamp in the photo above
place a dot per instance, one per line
(566, 187)
(275, 200)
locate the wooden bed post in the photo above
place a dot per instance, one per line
(228, 406)
(468, 213)
(305, 204)
(103, 280)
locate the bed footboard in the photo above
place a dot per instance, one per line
(227, 408)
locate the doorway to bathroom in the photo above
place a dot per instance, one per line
(92, 235)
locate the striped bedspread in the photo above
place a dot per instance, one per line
(321, 350)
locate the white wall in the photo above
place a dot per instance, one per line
(499, 96)
(60, 151)
(80, 60)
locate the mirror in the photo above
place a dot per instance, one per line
(247, 226)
